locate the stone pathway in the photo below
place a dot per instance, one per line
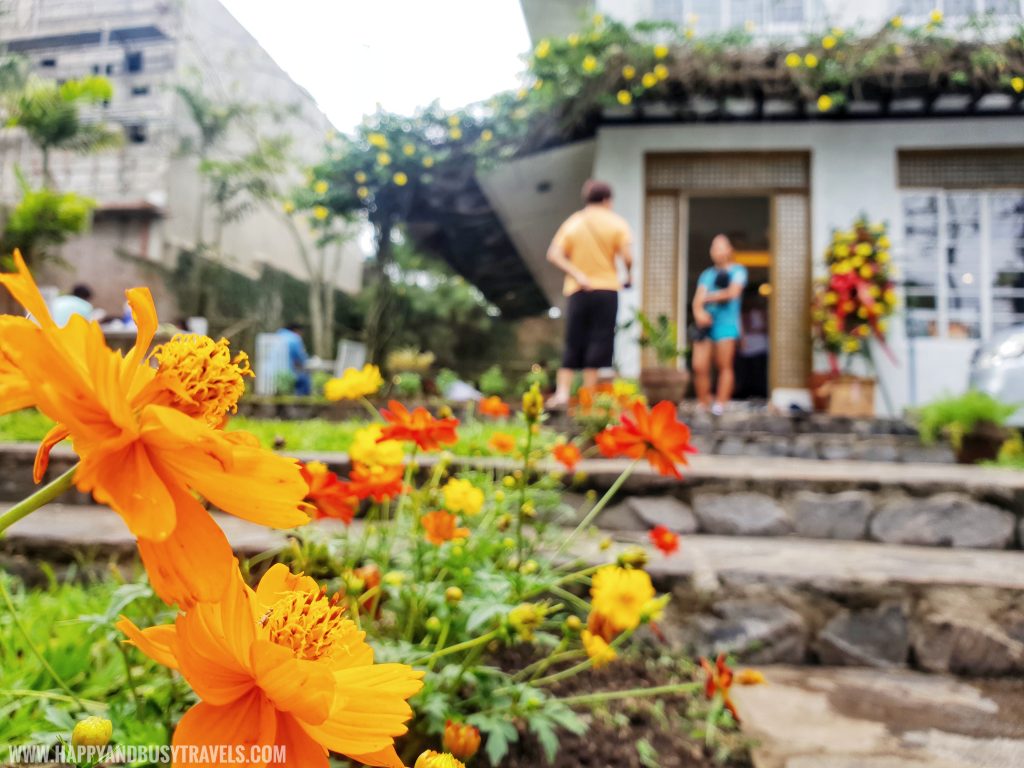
(862, 718)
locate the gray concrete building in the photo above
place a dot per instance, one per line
(147, 190)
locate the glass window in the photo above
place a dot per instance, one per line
(917, 7)
(743, 11)
(920, 261)
(963, 264)
(1002, 7)
(709, 15)
(667, 10)
(1006, 220)
(785, 11)
(960, 8)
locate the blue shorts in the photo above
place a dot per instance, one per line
(724, 330)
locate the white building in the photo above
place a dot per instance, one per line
(147, 189)
(948, 177)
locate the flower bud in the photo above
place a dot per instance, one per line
(453, 595)
(634, 557)
(433, 625)
(530, 566)
(92, 732)
(573, 624)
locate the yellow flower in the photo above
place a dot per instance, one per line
(400, 179)
(649, 80)
(589, 63)
(92, 732)
(660, 51)
(538, 85)
(366, 450)
(525, 618)
(793, 60)
(408, 150)
(533, 404)
(320, 212)
(620, 594)
(863, 249)
(462, 496)
(321, 187)
(543, 49)
(896, 22)
(629, 72)
(851, 345)
(1017, 83)
(824, 103)
(354, 384)
(811, 61)
(884, 242)
(625, 98)
(828, 42)
(598, 19)
(453, 121)
(749, 25)
(486, 134)
(360, 177)
(842, 250)
(428, 162)
(597, 649)
(432, 759)
(750, 677)
(378, 140)
(690, 32)
(936, 16)
(661, 72)
(521, 94)
(573, 39)
(288, 207)
(383, 158)
(654, 609)
(624, 389)
(362, 193)
(455, 134)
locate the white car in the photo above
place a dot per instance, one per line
(998, 369)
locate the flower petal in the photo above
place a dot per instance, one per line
(206, 729)
(303, 688)
(159, 643)
(300, 748)
(56, 435)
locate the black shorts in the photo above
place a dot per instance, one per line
(590, 330)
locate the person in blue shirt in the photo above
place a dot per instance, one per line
(66, 306)
(297, 358)
(716, 314)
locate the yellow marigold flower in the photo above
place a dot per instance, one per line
(649, 80)
(432, 759)
(533, 404)
(378, 140)
(486, 134)
(543, 49)
(654, 609)
(383, 158)
(690, 32)
(462, 496)
(288, 206)
(866, 271)
(366, 449)
(428, 162)
(884, 242)
(321, 187)
(589, 64)
(355, 383)
(661, 72)
(1017, 83)
(841, 250)
(362, 193)
(92, 732)
(408, 150)
(936, 16)
(455, 134)
(625, 98)
(828, 42)
(454, 121)
(629, 72)
(573, 39)
(597, 649)
(824, 103)
(896, 22)
(360, 177)
(863, 249)
(810, 61)
(400, 179)
(525, 618)
(750, 677)
(793, 60)
(660, 51)
(320, 212)
(620, 594)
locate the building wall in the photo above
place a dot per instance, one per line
(853, 170)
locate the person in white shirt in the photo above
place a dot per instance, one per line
(64, 307)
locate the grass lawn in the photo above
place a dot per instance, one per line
(29, 426)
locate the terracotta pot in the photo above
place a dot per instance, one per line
(851, 396)
(664, 384)
(981, 444)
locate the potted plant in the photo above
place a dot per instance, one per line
(974, 423)
(851, 306)
(665, 381)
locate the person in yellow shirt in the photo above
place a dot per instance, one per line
(588, 248)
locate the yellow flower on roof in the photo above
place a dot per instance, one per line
(360, 177)
(589, 63)
(936, 16)
(625, 98)
(378, 140)
(486, 134)
(793, 60)
(321, 187)
(896, 22)
(428, 162)
(828, 42)
(521, 94)
(660, 51)
(408, 150)
(690, 32)
(362, 193)
(824, 103)
(629, 72)
(400, 179)
(649, 80)
(1017, 83)
(661, 72)
(455, 133)
(811, 61)
(543, 49)
(383, 158)
(453, 120)
(320, 212)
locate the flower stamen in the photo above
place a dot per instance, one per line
(205, 381)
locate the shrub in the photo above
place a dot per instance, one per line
(957, 416)
(493, 381)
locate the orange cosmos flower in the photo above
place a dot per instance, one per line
(369, 574)
(502, 442)
(330, 496)
(567, 454)
(417, 426)
(147, 435)
(718, 679)
(442, 526)
(432, 759)
(655, 434)
(281, 665)
(461, 739)
(379, 483)
(664, 539)
(494, 406)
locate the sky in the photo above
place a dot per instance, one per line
(353, 54)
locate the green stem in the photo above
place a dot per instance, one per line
(632, 693)
(32, 646)
(457, 648)
(442, 638)
(40, 498)
(370, 409)
(21, 693)
(522, 492)
(593, 513)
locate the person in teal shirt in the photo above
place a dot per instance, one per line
(716, 314)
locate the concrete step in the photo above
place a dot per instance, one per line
(856, 718)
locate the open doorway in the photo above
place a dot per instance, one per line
(747, 223)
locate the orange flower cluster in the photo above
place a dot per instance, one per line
(441, 526)
(719, 677)
(328, 494)
(495, 407)
(417, 426)
(655, 434)
(665, 540)
(502, 442)
(379, 483)
(567, 454)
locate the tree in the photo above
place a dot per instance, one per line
(42, 219)
(50, 114)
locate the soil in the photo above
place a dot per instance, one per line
(617, 727)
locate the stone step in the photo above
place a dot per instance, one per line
(857, 718)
